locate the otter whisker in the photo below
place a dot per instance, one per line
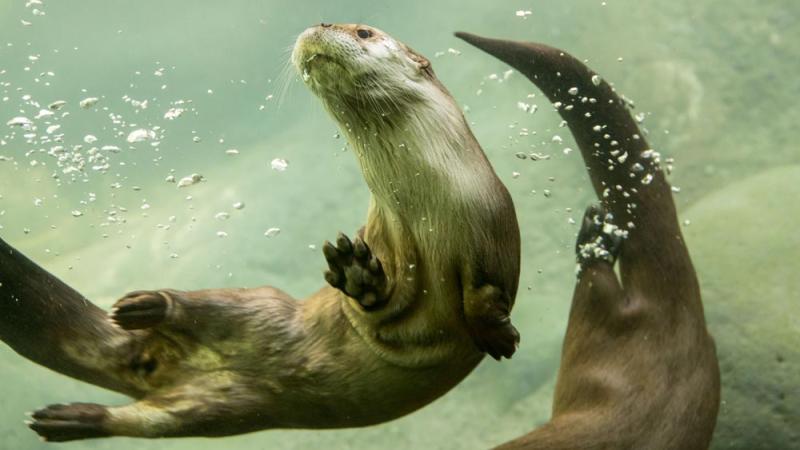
(286, 75)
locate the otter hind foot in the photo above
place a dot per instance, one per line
(354, 270)
(598, 239)
(140, 309)
(488, 317)
(61, 423)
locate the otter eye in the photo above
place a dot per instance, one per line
(364, 34)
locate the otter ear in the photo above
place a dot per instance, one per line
(421, 61)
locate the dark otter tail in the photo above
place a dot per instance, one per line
(624, 171)
(636, 350)
(48, 322)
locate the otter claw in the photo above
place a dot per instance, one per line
(375, 266)
(343, 243)
(354, 270)
(360, 250)
(333, 279)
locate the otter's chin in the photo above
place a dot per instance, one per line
(318, 69)
(326, 78)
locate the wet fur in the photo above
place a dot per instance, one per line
(429, 178)
(638, 367)
(227, 361)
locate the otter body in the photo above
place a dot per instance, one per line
(440, 220)
(638, 367)
(414, 302)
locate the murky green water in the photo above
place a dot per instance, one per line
(717, 82)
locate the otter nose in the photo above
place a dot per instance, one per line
(324, 25)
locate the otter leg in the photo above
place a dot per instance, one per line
(200, 407)
(354, 270)
(487, 310)
(596, 239)
(61, 423)
(598, 291)
(205, 316)
(147, 418)
(75, 421)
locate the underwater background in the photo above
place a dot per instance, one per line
(715, 83)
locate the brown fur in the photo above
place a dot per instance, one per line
(226, 361)
(638, 369)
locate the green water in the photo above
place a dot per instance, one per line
(717, 81)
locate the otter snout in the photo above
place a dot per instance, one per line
(313, 41)
(326, 53)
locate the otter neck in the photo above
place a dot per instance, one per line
(417, 160)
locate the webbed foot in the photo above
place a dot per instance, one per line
(60, 423)
(488, 317)
(354, 270)
(140, 309)
(598, 239)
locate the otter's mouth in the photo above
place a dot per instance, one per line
(312, 63)
(317, 57)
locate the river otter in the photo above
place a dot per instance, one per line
(638, 367)
(414, 301)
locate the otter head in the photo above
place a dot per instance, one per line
(359, 64)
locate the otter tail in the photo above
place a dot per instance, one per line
(623, 169)
(51, 324)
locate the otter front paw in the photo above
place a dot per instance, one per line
(60, 423)
(139, 310)
(354, 270)
(499, 340)
(598, 239)
(487, 311)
